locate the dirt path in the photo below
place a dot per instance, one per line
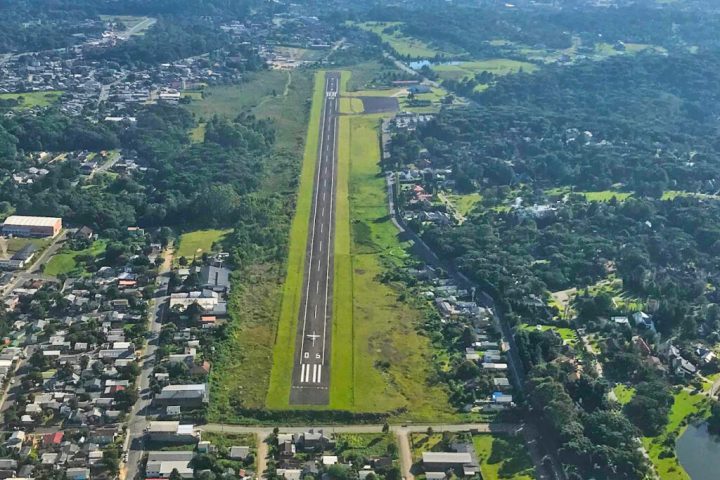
(405, 453)
(262, 454)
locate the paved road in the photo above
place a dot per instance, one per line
(147, 23)
(370, 428)
(311, 372)
(137, 420)
(402, 433)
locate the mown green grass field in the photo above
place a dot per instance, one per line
(196, 243)
(404, 45)
(623, 393)
(496, 66)
(29, 100)
(349, 105)
(600, 196)
(567, 334)
(464, 204)
(67, 261)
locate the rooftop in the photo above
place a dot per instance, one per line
(31, 221)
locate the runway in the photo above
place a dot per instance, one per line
(311, 371)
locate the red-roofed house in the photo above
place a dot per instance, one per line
(53, 439)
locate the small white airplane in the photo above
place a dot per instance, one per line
(313, 337)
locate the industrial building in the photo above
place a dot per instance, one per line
(36, 227)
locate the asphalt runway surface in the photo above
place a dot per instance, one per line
(311, 371)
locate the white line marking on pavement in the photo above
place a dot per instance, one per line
(333, 160)
(317, 286)
(307, 374)
(312, 238)
(315, 373)
(321, 245)
(319, 374)
(302, 372)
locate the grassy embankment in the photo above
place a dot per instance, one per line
(255, 300)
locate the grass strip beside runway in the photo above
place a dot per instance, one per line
(284, 351)
(342, 383)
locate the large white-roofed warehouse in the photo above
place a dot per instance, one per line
(38, 227)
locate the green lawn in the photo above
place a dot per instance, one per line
(672, 194)
(669, 468)
(601, 196)
(226, 440)
(32, 99)
(567, 334)
(503, 457)
(496, 66)
(15, 244)
(464, 204)
(278, 396)
(422, 442)
(349, 105)
(366, 444)
(196, 243)
(197, 134)
(624, 394)
(67, 261)
(404, 45)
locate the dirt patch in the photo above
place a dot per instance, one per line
(380, 104)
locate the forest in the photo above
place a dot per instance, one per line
(183, 185)
(482, 30)
(33, 25)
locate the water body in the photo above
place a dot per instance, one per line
(699, 453)
(418, 64)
